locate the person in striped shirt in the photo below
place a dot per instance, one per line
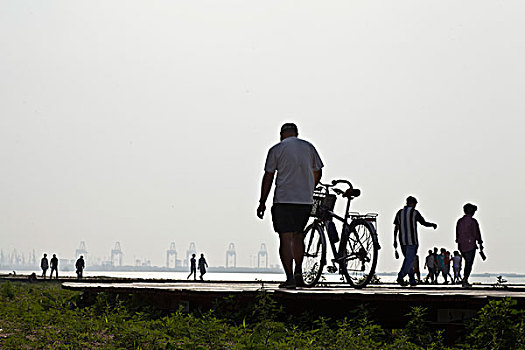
(405, 223)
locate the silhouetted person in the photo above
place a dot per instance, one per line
(44, 265)
(193, 267)
(417, 273)
(467, 234)
(54, 266)
(405, 223)
(80, 265)
(430, 262)
(299, 169)
(448, 260)
(456, 264)
(202, 266)
(436, 265)
(443, 264)
(32, 278)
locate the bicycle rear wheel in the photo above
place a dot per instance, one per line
(360, 247)
(314, 254)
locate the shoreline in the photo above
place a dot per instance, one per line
(5, 271)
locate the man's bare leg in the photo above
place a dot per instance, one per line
(298, 254)
(286, 253)
(298, 251)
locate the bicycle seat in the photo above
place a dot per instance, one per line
(352, 192)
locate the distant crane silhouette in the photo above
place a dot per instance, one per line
(171, 255)
(231, 256)
(191, 250)
(33, 258)
(262, 255)
(81, 251)
(116, 255)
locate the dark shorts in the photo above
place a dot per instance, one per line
(290, 217)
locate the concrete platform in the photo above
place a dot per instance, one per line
(326, 299)
(448, 307)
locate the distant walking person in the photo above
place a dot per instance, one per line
(444, 264)
(417, 273)
(299, 169)
(441, 265)
(54, 266)
(193, 267)
(80, 265)
(202, 266)
(448, 260)
(430, 265)
(436, 265)
(44, 265)
(405, 223)
(467, 234)
(456, 264)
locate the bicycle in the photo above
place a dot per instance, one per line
(358, 246)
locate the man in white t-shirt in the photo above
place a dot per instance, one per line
(298, 167)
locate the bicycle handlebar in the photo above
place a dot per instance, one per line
(350, 192)
(335, 182)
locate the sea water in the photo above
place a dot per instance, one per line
(267, 277)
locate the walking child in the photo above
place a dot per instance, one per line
(417, 273)
(436, 265)
(430, 265)
(456, 264)
(441, 264)
(446, 267)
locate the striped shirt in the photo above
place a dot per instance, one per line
(406, 219)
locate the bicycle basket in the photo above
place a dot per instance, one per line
(321, 203)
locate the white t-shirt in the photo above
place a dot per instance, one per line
(295, 160)
(430, 261)
(456, 261)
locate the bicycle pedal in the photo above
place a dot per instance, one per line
(332, 269)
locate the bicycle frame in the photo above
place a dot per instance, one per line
(344, 231)
(340, 253)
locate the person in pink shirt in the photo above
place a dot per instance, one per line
(467, 234)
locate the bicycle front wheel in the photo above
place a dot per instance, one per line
(359, 253)
(314, 254)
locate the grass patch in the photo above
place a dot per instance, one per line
(45, 316)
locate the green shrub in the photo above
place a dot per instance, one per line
(498, 325)
(44, 316)
(6, 291)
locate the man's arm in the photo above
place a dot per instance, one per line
(317, 176)
(478, 235)
(422, 221)
(266, 186)
(396, 230)
(457, 231)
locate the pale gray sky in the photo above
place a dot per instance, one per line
(148, 122)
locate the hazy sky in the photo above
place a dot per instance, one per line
(148, 122)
